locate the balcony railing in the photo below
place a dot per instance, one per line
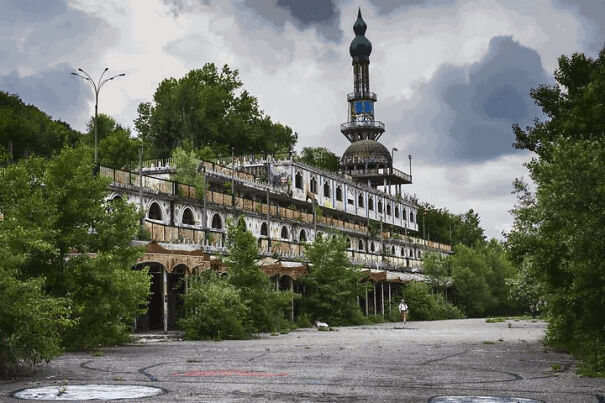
(361, 95)
(369, 124)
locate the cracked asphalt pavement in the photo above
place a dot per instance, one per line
(385, 362)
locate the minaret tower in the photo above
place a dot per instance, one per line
(361, 124)
(366, 160)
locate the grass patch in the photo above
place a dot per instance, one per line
(495, 320)
(489, 342)
(556, 367)
(98, 353)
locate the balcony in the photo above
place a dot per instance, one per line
(369, 124)
(360, 95)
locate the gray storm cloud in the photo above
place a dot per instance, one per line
(466, 113)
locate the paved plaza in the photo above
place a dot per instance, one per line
(387, 362)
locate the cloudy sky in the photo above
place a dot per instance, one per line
(452, 76)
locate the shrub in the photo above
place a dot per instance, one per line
(332, 283)
(30, 323)
(213, 309)
(425, 305)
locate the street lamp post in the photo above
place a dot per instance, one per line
(97, 88)
(410, 158)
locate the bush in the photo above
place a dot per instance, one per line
(66, 244)
(425, 305)
(266, 308)
(332, 284)
(213, 309)
(30, 323)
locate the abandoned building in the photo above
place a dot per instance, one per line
(285, 204)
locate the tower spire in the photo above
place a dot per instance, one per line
(361, 124)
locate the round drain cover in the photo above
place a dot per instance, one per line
(481, 399)
(88, 392)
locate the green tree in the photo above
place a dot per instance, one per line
(480, 276)
(207, 108)
(441, 225)
(332, 284)
(213, 309)
(266, 307)
(117, 149)
(424, 305)
(436, 267)
(75, 242)
(559, 232)
(320, 157)
(26, 130)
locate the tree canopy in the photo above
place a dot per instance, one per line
(117, 149)
(332, 284)
(441, 225)
(26, 130)
(208, 107)
(320, 157)
(559, 232)
(63, 244)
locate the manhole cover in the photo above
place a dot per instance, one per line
(88, 392)
(481, 399)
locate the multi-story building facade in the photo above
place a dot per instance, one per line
(285, 204)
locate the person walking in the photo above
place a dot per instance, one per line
(403, 310)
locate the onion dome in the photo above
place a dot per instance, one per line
(366, 151)
(360, 45)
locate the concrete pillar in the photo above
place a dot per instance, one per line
(292, 300)
(375, 299)
(165, 295)
(389, 297)
(382, 298)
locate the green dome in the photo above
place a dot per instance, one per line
(360, 45)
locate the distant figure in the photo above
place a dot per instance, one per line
(403, 310)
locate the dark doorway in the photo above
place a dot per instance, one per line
(153, 319)
(176, 290)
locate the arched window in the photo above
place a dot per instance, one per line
(393, 250)
(419, 254)
(263, 229)
(401, 252)
(298, 180)
(303, 236)
(360, 200)
(188, 217)
(326, 189)
(338, 193)
(313, 185)
(371, 203)
(155, 212)
(405, 215)
(411, 253)
(396, 211)
(348, 243)
(284, 233)
(388, 209)
(217, 221)
(372, 247)
(411, 216)
(360, 245)
(116, 198)
(380, 206)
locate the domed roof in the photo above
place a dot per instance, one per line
(369, 151)
(360, 45)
